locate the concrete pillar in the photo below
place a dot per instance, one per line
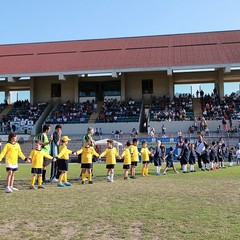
(220, 82)
(76, 89)
(32, 91)
(123, 90)
(170, 86)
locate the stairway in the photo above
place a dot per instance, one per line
(197, 107)
(6, 110)
(94, 116)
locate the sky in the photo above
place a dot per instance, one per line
(29, 21)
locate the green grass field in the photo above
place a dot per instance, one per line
(201, 205)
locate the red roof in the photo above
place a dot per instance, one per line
(167, 51)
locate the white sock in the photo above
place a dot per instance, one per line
(157, 169)
(184, 168)
(211, 164)
(111, 176)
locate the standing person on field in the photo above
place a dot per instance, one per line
(192, 157)
(184, 156)
(231, 154)
(87, 152)
(179, 146)
(200, 147)
(56, 139)
(43, 137)
(126, 155)
(213, 156)
(134, 158)
(158, 155)
(145, 158)
(37, 155)
(12, 151)
(63, 158)
(89, 137)
(111, 153)
(238, 156)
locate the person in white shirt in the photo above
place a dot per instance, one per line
(200, 147)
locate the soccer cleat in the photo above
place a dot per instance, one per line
(14, 189)
(90, 182)
(67, 184)
(61, 185)
(8, 190)
(41, 187)
(83, 182)
(177, 172)
(54, 180)
(32, 188)
(164, 173)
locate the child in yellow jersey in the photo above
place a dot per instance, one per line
(145, 158)
(62, 162)
(12, 151)
(134, 157)
(111, 154)
(37, 156)
(86, 163)
(126, 155)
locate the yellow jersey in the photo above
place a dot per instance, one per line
(37, 157)
(111, 154)
(134, 153)
(11, 151)
(127, 156)
(145, 154)
(87, 153)
(64, 152)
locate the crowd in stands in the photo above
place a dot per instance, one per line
(215, 108)
(165, 108)
(72, 112)
(22, 116)
(119, 111)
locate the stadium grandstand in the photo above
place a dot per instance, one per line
(121, 83)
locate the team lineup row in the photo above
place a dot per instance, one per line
(208, 157)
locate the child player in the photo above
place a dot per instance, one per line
(169, 161)
(86, 163)
(37, 155)
(145, 158)
(62, 162)
(127, 159)
(111, 154)
(11, 150)
(192, 157)
(134, 157)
